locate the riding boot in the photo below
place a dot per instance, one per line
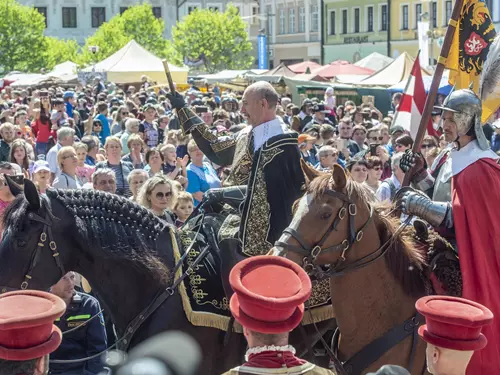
(230, 255)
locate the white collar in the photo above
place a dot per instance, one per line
(263, 132)
(469, 154)
(269, 348)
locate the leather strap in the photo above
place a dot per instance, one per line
(375, 349)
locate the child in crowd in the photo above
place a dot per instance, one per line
(183, 208)
(41, 175)
(83, 171)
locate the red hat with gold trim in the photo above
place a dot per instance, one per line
(269, 294)
(453, 323)
(27, 329)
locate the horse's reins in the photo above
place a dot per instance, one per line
(310, 253)
(338, 269)
(137, 322)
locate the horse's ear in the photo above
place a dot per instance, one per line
(339, 177)
(14, 187)
(309, 171)
(31, 195)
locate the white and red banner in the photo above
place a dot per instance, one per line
(411, 107)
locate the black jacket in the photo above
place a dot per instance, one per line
(83, 342)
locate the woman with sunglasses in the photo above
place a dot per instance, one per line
(118, 127)
(359, 170)
(97, 130)
(375, 169)
(428, 143)
(68, 162)
(159, 195)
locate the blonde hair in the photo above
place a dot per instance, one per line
(148, 187)
(112, 139)
(79, 145)
(134, 138)
(62, 153)
(184, 197)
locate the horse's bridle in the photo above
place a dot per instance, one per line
(51, 244)
(310, 253)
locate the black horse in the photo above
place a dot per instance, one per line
(124, 251)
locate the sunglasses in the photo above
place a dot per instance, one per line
(161, 195)
(377, 168)
(124, 113)
(97, 126)
(376, 138)
(427, 146)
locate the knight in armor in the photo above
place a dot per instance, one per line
(268, 301)
(472, 169)
(265, 178)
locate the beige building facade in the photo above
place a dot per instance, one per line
(293, 29)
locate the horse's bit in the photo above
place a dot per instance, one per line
(44, 236)
(348, 208)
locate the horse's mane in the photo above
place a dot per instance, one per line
(404, 258)
(106, 221)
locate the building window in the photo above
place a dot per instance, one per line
(269, 21)
(384, 17)
(404, 26)
(434, 14)
(214, 9)
(98, 16)
(122, 10)
(291, 21)
(448, 12)
(344, 21)
(314, 18)
(332, 23)
(157, 12)
(192, 8)
(43, 12)
(69, 17)
(418, 13)
(356, 20)
(370, 19)
(302, 20)
(282, 21)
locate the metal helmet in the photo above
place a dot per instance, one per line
(467, 110)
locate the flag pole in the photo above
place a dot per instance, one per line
(436, 79)
(405, 91)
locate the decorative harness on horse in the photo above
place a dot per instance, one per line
(124, 341)
(375, 349)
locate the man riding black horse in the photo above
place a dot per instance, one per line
(265, 178)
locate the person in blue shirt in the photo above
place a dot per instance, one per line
(69, 101)
(201, 175)
(102, 109)
(83, 342)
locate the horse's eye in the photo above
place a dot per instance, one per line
(326, 215)
(21, 243)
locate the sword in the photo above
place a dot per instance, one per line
(169, 76)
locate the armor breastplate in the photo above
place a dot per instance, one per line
(442, 185)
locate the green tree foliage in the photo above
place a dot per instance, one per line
(59, 51)
(221, 38)
(137, 22)
(22, 43)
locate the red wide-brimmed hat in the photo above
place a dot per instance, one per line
(453, 323)
(269, 293)
(27, 329)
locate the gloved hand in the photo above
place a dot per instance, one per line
(176, 100)
(420, 205)
(414, 163)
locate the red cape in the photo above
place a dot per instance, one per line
(476, 215)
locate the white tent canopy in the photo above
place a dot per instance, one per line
(132, 61)
(65, 68)
(375, 61)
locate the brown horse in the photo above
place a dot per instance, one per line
(376, 273)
